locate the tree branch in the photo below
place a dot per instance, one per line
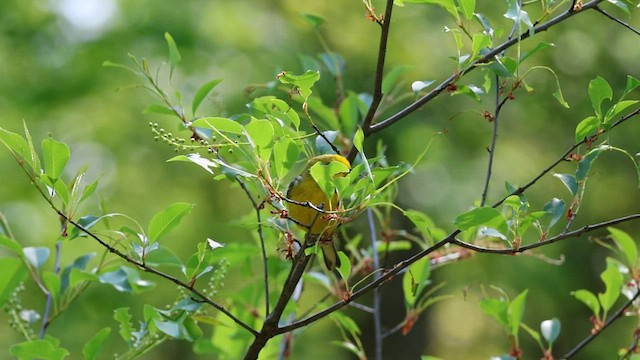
(585, 229)
(379, 75)
(488, 57)
(618, 314)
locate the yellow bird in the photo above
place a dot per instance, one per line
(305, 189)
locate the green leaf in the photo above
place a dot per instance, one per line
(219, 124)
(516, 312)
(517, 15)
(599, 90)
(391, 79)
(632, 84)
(448, 5)
(497, 309)
(174, 54)
(261, 133)
(18, 146)
(613, 281)
(52, 283)
(484, 216)
(10, 244)
(124, 279)
(555, 207)
(159, 109)
(285, 155)
(421, 220)
(88, 191)
(345, 265)
(93, 347)
(558, 93)
(303, 82)
(626, 244)
(587, 161)
(479, 42)
(550, 330)
(468, 8)
(166, 220)
(55, 155)
(540, 46)
(417, 86)
(589, 299)
(314, 20)
(36, 255)
(617, 109)
(202, 93)
(80, 264)
(415, 280)
(587, 127)
(472, 91)
(38, 349)
(122, 316)
(334, 62)
(349, 112)
(14, 272)
(569, 181)
(324, 175)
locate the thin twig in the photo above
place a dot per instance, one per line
(486, 58)
(618, 314)
(47, 307)
(379, 75)
(200, 297)
(572, 234)
(377, 296)
(615, 19)
(494, 139)
(265, 270)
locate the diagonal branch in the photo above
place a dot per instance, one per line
(572, 234)
(618, 314)
(379, 74)
(487, 58)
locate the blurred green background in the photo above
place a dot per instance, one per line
(51, 77)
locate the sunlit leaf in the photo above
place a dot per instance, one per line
(202, 93)
(55, 155)
(599, 90)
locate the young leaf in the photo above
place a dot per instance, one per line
(555, 207)
(613, 280)
(516, 311)
(468, 8)
(599, 90)
(122, 316)
(55, 154)
(626, 244)
(484, 216)
(14, 272)
(261, 133)
(569, 181)
(202, 93)
(550, 329)
(38, 349)
(303, 82)
(587, 127)
(93, 347)
(174, 54)
(36, 255)
(166, 220)
(589, 299)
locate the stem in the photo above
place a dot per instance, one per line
(377, 297)
(47, 308)
(379, 75)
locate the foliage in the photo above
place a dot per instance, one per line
(274, 279)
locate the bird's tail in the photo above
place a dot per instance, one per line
(331, 258)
